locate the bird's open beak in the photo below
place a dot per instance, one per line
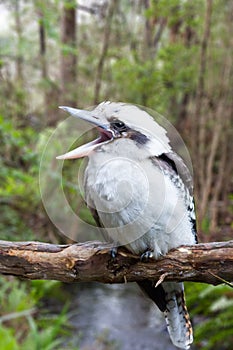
(106, 134)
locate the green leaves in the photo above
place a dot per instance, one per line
(22, 327)
(19, 191)
(8, 341)
(212, 307)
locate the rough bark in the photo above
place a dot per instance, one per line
(91, 261)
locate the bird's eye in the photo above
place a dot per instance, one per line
(119, 125)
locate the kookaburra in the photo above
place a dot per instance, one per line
(140, 191)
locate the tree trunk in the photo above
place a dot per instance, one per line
(199, 127)
(154, 27)
(42, 42)
(183, 123)
(18, 26)
(103, 55)
(69, 54)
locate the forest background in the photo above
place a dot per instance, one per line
(172, 56)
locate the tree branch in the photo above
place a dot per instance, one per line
(91, 261)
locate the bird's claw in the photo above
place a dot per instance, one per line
(146, 256)
(113, 252)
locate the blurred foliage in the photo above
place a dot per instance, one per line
(21, 302)
(211, 308)
(20, 204)
(19, 191)
(153, 59)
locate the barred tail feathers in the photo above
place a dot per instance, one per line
(176, 315)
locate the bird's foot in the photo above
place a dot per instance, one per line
(146, 256)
